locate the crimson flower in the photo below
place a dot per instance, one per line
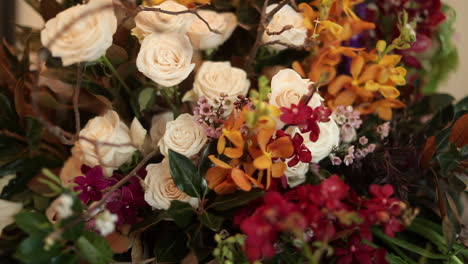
(126, 202)
(91, 184)
(306, 118)
(357, 252)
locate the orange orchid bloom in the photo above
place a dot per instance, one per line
(231, 132)
(383, 108)
(279, 148)
(225, 178)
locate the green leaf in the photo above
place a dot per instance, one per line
(64, 259)
(462, 105)
(185, 175)
(449, 160)
(181, 213)
(33, 223)
(211, 221)
(146, 98)
(34, 131)
(31, 251)
(94, 248)
(171, 244)
(230, 201)
(150, 221)
(205, 162)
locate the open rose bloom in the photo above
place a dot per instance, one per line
(198, 131)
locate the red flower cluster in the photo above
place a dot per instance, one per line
(301, 152)
(306, 118)
(329, 212)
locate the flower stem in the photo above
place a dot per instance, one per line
(107, 62)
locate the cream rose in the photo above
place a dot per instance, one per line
(328, 138)
(148, 22)
(8, 210)
(288, 87)
(184, 136)
(109, 129)
(158, 126)
(297, 174)
(166, 58)
(216, 78)
(202, 38)
(160, 187)
(87, 38)
(286, 16)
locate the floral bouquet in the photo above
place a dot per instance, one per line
(248, 131)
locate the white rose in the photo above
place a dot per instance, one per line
(158, 126)
(202, 38)
(8, 210)
(284, 17)
(148, 22)
(216, 78)
(328, 138)
(109, 129)
(184, 136)
(87, 38)
(288, 87)
(166, 58)
(297, 174)
(160, 187)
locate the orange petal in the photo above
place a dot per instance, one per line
(297, 67)
(365, 108)
(278, 169)
(356, 66)
(345, 98)
(263, 137)
(221, 144)
(219, 162)
(392, 103)
(262, 162)
(249, 168)
(240, 120)
(372, 86)
(390, 60)
(338, 83)
(225, 188)
(384, 113)
(370, 73)
(238, 177)
(235, 137)
(281, 148)
(215, 176)
(266, 122)
(234, 153)
(389, 91)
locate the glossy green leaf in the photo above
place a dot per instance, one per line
(146, 98)
(211, 221)
(185, 175)
(239, 198)
(94, 248)
(181, 212)
(33, 223)
(171, 244)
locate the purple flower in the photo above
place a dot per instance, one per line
(91, 185)
(363, 140)
(125, 203)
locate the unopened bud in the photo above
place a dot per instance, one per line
(381, 46)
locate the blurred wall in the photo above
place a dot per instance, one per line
(457, 83)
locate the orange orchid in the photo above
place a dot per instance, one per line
(263, 156)
(383, 108)
(231, 132)
(225, 178)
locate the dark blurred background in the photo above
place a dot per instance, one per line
(7, 19)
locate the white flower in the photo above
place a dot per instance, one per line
(8, 210)
(108, 129)
(89, 35)
(329, 137)
(160, 187)
(158, 126)
(297, 174)
(105, 222)
(288, 87)
(184, 136)
(60, 208)
(286, 16)
(216, 78)
(165, 58)
(148, 22)
(202, 38)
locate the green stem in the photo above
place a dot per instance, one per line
(107, 62)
